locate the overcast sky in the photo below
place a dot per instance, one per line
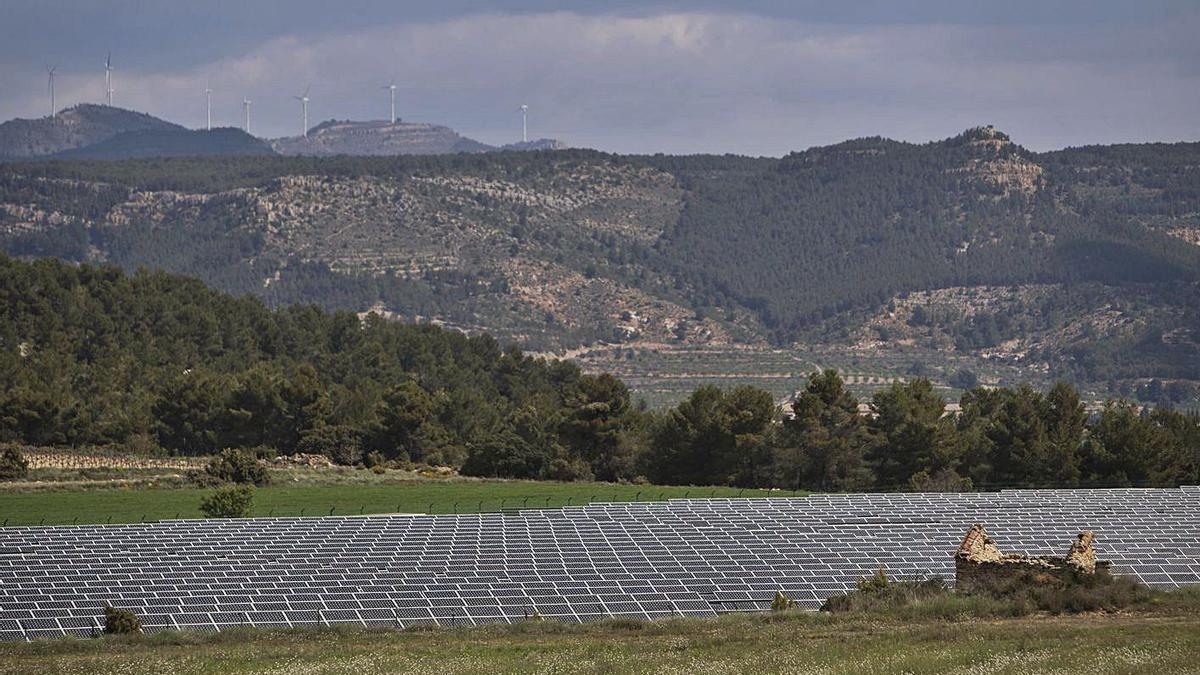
(753, 77)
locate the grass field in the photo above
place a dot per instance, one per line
(792, 642)
(67, 506)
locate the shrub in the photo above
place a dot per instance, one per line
(1015, 595)
(876, 584)
(341, 444)
(782, 602)
(12, 465)
(946, 480)
(1077, 593)
(121, 621)
(878, 593)
(568, 470)
(378, 469)
(231, 501)
(373, 459)
(964, 379)
(143, 445)
(238, 466)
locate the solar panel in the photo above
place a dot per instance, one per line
(697, 557)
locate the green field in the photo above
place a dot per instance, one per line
(58, 507)
(791, 642)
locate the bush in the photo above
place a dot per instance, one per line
(782, 602)
(1014, 596)
(341, 444)
(121, 621)
(964, 379)
(238, 466)
(946, 480)
(568, 470)
(1078, 593)
(373, 459)
(12, 465)
(232, 501)
(878, 592)
(143, 445)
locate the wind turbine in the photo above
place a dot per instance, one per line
(246, 107)
(524, 123)
(392, 89)
(108, 78)
(50, 84)
(207, 105)
(303, 98)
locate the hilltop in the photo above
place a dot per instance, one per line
(380, 137)
(76, 127)
(377, 138)
(970, 252)
(89, 131)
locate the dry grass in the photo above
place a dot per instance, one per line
(781, 642)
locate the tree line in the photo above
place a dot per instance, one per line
(905, 439)
(93, 356)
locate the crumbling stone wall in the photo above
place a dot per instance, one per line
(979, 565)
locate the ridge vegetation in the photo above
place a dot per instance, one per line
(90, 355)
(1079, 265)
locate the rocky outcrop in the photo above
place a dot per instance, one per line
(998, 163)
(377, 138)
(539, 144)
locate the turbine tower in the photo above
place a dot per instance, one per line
(303, 98)
(50, 85)
(524, 123)
(392, 90)
(207, 105)
(246, 107)
(108, 78)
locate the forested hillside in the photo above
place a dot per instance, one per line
(1081, 264)
(171, 143)
(74, 127)
(92, 356)
(854, 224)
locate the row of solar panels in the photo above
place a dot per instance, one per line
(691, 557)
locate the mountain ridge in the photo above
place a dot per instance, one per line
(75, 127)
(578, 247)
(92, 131)
(380, 137)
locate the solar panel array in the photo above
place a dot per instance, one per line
(697, 557)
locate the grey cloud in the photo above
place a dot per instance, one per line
(694, 81)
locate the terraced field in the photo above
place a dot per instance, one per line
(664, 376)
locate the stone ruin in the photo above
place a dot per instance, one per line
(979, 564)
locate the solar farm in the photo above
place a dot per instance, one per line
(646, 560)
